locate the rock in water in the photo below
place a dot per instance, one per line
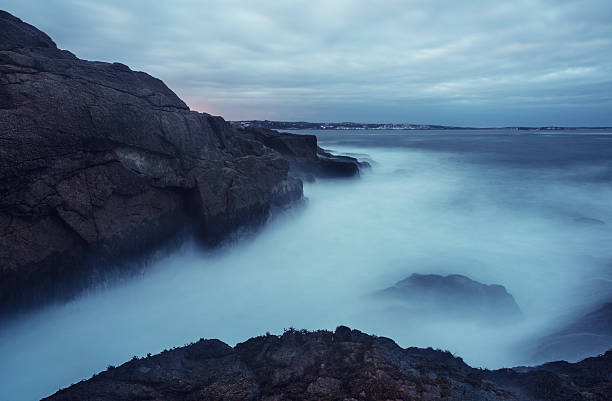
(306, 160)
(588, 335)
(589, 221)
(453, 295)
(99, 160)
(342, 365)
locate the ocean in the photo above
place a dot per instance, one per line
(529, 210)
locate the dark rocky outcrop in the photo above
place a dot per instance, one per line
(97, 160)
(341, 365)
(589, 379)
(306, 161)
(453, 295)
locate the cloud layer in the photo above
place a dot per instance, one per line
(534, 62)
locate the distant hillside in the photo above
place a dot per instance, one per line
(297, 125)
(335, 126)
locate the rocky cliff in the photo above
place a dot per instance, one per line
(99, 161)
(341, 365)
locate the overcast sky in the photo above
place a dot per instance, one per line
(469, 62)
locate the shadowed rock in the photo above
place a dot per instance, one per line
(306, 160)
(589, 221)
(342, 365)
(453, 295)
(99, 161)
(590, 334)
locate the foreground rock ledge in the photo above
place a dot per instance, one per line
(99, 161)
(342, 365)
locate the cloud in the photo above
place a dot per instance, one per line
(520, 62)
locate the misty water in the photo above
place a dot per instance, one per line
(528, 210)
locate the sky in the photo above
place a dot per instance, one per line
(469, 62)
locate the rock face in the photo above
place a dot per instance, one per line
(343, 365)
(97, 160)
(453, 295)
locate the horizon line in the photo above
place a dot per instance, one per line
(340, 123)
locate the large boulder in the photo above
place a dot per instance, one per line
(98, 161)
(453, 296)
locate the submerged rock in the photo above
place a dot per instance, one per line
(590, 334)
(589, 221)
(345, 364)
(98, 161)
(453, 295)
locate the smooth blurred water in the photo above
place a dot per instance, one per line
(500, 206)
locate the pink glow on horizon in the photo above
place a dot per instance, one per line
(204, 108)
(229, 114)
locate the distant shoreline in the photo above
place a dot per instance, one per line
(302, 125)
